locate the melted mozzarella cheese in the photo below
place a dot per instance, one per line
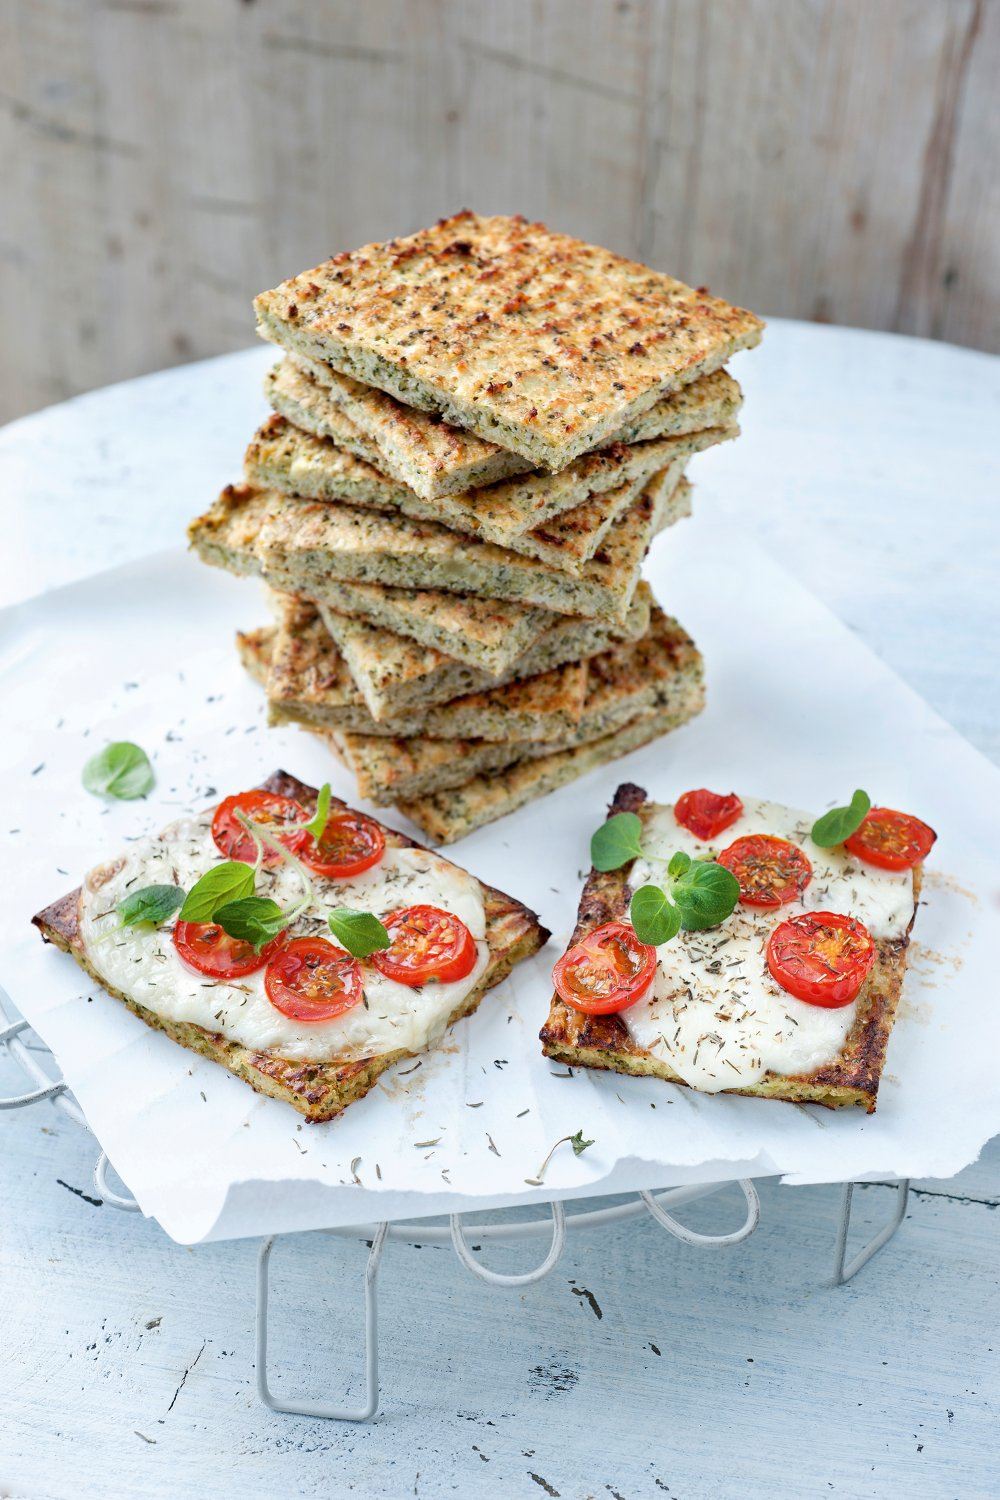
(145, 964)
(713, 1011)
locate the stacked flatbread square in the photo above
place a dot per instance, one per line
(478, 430)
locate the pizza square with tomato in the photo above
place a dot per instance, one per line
(742, 947)
(303, 946)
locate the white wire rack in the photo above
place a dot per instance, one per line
(47, 1085)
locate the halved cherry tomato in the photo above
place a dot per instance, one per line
(350, 843)
(821, 957)
(311, 980)
(707, 814)
(606, 972)
(205, 947)
(892, 840)
(280, 815)
(427, 943)
(770, 871)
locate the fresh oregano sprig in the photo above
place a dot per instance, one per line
(579, 1144)
(697, 893)
(840, 822)
(258, 920)
(226, 894)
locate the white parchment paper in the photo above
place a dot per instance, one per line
(799, 711)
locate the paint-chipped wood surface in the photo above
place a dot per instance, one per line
(823, 159)
(127, 1361)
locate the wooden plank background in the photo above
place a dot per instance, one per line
(165, 159)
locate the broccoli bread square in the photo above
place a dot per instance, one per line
(434, 459)
(319, 1067)
(713, 1018)
(528, 338)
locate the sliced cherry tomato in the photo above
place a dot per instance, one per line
(891, 840)
(350, 843)
(280, 815)
(427, 943)
(205, 947)
(821, 957)
(707, 814)
(770, 871)
(311, 980)
(608, 971)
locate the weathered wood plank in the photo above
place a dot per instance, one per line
(168, 158)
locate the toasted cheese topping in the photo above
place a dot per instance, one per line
(145, 966)
(714, 1013)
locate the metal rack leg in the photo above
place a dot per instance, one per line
(314, 1408)
(843, 1269)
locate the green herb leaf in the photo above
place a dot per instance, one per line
(231, 881)
(653, 917)
(678, 864)
(317, 823)
(579, 1144)
(150, 906)
(705, 894)
(254, 919)
(616, 842)
(121, 770)
(360, 932)
(840, 822)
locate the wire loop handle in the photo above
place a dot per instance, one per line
(499, 1278)
(116, 1200)
(692, 1237)
(18, 1101)
(46, 1091)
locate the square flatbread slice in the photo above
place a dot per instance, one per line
(446, 817)
(394, 673)
(307, 682)
(719, 1019)
(487, 633)
(310, 548)
(419, 450)
(533, 340)
(318, 1089)
(559, 518)
(658, 672)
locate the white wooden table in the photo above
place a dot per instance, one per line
(641, 1367)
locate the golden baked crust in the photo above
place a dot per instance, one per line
(319, 1091)
(307, 681)
(660, 673)
(604, 1041)
(531, 339)
(394, 673)
(421, 451)
(559, 518)
(448, 816)
(310, 548)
